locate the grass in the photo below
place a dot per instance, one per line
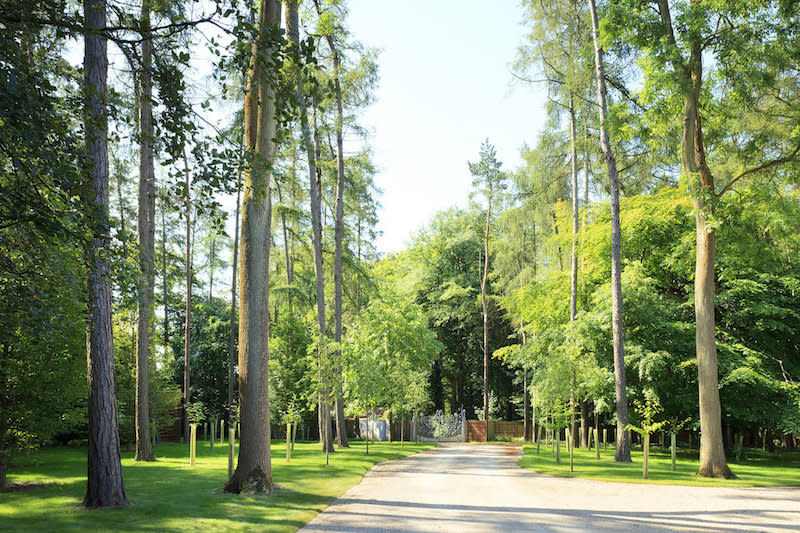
(169, 495)
(755, 469)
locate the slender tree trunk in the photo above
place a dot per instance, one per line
(234, 276)
(254, 471)
(104, 487)
(165, 287)
(212, 259)
(525, 406)
(338, 236)
(584, 424)
(312, 148)
(146, 234)
(485, 307)
(623, 451)
(573, 289)
(187, 325)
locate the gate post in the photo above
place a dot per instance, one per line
(464, 425)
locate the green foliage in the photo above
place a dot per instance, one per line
(42, 340)
(388, 351)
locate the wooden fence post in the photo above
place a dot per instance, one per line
(672, 445)
(192, 442)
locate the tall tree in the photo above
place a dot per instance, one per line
(146, 228)
(623, 445)
(254, 470)
(187, 326)
(311, 148)
(741, 117)
(104, 486)
(338, 235)
(490, 181)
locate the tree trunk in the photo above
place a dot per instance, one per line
(234, 276)
(584, 424)
(525, 406)
(622, 441)
(165, 287)
(254, 471)
(211, 261)
(713, 462)
(187, 325)
(485, 307)
(573, 289)
(146, 234)
(104, 485)
(338, 235)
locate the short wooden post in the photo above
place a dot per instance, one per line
(192, 443)
(288, 441)
(673, 438)
(213, 438)
(739, 443)
(596, 444)
(557, 444)
(605, 438)
(571, 448)
(231, 449)
(539, 440)
(646, 447)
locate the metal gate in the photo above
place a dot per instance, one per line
(440, 427)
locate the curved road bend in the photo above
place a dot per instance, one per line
(470, 488)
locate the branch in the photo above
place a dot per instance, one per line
(769, 164)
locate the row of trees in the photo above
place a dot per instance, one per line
(685, 136)
(292, 81)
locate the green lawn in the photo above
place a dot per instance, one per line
(756, 468)
(169, 495)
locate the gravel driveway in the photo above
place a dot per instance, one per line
(465, 488)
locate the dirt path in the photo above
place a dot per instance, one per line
(466, 488)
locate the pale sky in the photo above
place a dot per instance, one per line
(444, 87)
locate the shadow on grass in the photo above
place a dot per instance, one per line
(169, 495)
(756, 469)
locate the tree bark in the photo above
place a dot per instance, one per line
(584, 424)
(211, 260)
(104, 487)
(622, 442)
(573, 289)
(254, 470)
(187, 338)
(234, 274)
(165, 286)
(146, 228)
(314, 178)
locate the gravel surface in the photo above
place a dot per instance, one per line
(467, 488)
